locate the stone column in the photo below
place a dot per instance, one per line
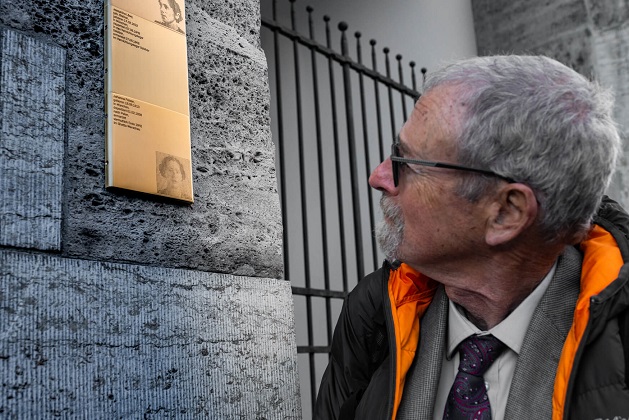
(117, 305)
(591, 36)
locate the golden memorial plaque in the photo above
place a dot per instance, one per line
(148, 118)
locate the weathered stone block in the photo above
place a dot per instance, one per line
(32, 103)
(611, 49)
(234, 226)
(606, 14)
(84, 339)
(242, 15)
(506, 26)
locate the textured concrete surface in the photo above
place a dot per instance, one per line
(558, 29)
(241, 15)
(590, 36)
(118, 305)
(32, 109)
(234, 226)
(95, 340)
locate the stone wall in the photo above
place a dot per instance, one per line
(97, 340)
(591, 36)
(121, 306)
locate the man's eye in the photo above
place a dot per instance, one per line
(405, 166)
(418, 169)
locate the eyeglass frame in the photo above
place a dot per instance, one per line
(396, 160)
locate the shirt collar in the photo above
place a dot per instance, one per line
(510, 331)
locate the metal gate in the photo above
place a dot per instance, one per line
(333, 120)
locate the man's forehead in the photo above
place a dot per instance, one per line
(433, 125)
(443, 104)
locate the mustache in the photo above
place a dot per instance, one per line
(390, 230)
(390, 210)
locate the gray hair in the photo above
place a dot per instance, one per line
(539, 122)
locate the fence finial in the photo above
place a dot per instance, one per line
(309, 9)
(359, 54)
(398, 57)
(412, 64)
(328, 41)
(386, 50)
(374, 65)
(344, 47)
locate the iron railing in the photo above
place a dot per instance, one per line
(323, 170)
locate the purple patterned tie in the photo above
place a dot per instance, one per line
(468, 396)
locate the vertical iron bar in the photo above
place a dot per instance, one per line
(390, 93)
(335, 133)
(349, 115)
(304, 204)
(374, 65)
(401, 75)
(363, 110)
(376, 87)
(280, 141)
(424, 71)
(324, 229)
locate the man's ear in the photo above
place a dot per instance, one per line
(514, 209)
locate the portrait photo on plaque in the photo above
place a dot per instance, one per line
(172, 15)
(168, 13)
(171, 176)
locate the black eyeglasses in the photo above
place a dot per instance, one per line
(397, 161)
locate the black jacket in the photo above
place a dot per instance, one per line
(365, 354)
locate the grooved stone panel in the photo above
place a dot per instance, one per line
(94, 340)
(32, 103)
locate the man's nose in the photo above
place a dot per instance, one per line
(381, 178)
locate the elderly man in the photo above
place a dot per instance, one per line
(507, 294)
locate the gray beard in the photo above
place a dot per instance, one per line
(390, 231)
